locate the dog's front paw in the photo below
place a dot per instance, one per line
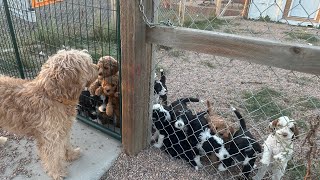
(157, 145)
(279, 158)
(221, 167)
(58, 175)
(73, 154)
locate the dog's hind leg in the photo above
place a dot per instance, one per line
(52, 152)
(247, 168)
(278, 170)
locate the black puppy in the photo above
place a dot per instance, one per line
(174, 140)
(162, 116)
(161, 123)
(200, 137)
(243, 148)
(87, 105)
(160, 89)
(163, 81)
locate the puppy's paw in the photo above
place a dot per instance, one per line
(221, 167)
(73, 154)
(196, 168)
(58, 175)
(157, 145)
(279, 158)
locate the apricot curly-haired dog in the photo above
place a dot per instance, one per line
(45, 108)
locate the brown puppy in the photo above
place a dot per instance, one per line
(218, 124)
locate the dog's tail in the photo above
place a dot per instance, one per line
(189, 99)
(163, 77)
(239, 116)
(210, 108)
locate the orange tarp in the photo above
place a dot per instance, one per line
(38, 3)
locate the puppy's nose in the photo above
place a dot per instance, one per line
(179, 125)
(104, 109)
(225, 156)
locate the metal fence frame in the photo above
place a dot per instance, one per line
(53, 22)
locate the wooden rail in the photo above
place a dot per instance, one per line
(302, 58)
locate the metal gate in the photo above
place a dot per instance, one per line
(29, 35)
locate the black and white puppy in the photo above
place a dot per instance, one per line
(243, 148)
(200, 136)
(160, 89)
(163, 78)
(174, 140)
(162, 116)
(87, 105)
(161, 123)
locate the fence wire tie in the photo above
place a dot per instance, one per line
(146, 20)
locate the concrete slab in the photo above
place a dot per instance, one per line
(99, 151)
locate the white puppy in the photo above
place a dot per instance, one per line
(278, 148)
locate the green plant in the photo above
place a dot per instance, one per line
(262, 104)
(309, 102)
(207, 24)
(310, 38)
(296, 170)
(208, 64)
(175, 53)
(265, 19)
(104, 34)
(48, 35)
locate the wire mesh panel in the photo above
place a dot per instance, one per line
(40, 32)
(229, 118)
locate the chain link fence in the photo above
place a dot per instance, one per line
(29, 35)
(262, 94)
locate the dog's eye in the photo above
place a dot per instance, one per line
(100, 74)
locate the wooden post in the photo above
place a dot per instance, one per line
(183, 11)
(244, 12)
(136, 75)
(218, 7)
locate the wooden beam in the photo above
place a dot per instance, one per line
(218, 7)
(287, 9)
(245, 10)
(136, 76)
(301, 58)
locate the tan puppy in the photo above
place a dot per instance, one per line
(218, 124)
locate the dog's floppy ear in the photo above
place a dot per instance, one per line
(295, 131)
(62, 82)
(273, 124)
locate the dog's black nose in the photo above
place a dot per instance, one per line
(225, 156)
(104, 109)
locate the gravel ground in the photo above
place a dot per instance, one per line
(222, 81)
(15, 155)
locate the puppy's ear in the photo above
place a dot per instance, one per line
(295, 131)
(98, 91)
(273, 124)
